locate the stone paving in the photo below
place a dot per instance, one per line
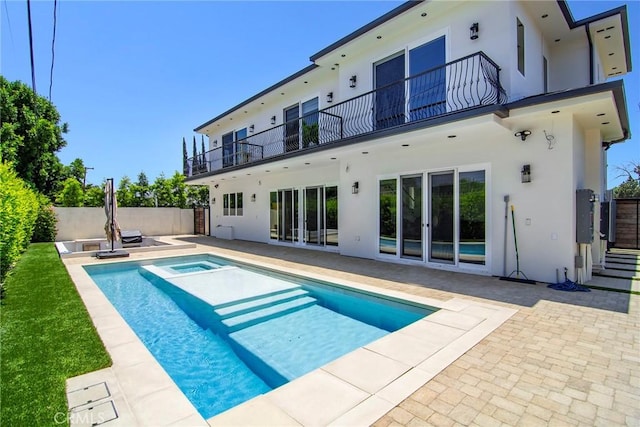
(563, 359)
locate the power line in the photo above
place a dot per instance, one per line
(53, 45)
(33, 70)
(6, 10)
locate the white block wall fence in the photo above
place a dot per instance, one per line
(88, 223)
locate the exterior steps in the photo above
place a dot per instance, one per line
(270, 311)
(242, 307)
(614, 265)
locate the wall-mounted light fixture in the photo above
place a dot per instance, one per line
(525, 173)
(253, 197)
(330, 97)
(213, 201)
(252, 128)
(352, 81)
(355, 188)
(273, 120)
(473, 30)
(523, 134)
(215, 142)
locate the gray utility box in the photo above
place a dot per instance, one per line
(584, 216)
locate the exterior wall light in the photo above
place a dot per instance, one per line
(355, 188)
(330, 97)
(252, 128)
(525, 173)
(523, 134)
(474, 31)
(273, 120)
(253, 197)
(352, 81)
(213, 201)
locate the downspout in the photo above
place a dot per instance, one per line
(590, 53)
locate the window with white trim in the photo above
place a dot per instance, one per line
(232, 204)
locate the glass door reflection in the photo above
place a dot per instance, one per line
(441, 219)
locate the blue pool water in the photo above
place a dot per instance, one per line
(226, 334)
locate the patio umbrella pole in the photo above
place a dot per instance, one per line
(111, 224)
(113, 227)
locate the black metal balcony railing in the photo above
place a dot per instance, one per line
(466, 83)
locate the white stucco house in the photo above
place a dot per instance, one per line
(429, 136)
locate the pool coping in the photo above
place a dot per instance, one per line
(355, 389)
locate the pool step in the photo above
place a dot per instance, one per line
(245, 306)
(254, 317)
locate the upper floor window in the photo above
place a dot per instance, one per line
(520, 36)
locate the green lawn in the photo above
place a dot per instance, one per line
(46, 336)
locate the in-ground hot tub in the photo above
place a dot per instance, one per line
(89, 247)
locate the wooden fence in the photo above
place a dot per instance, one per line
(627, 224)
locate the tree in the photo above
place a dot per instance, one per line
(185, 157)
(31, 135)
(71, 194)
(94, 196)
(203, 161)
(76, 170)
(195, 162)
(170, 192)
(125, 193)
(178, 190)
(162, 191)
(630, 188)
(197, 196)
(142, 194)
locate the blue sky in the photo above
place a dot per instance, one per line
(133, 78)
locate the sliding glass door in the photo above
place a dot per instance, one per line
(401, 214)
(441, 218)
(453, 225)
(314, 230)
(284, 215)
(472, 201)
(390, 92)
(319, 216)
(411, 216)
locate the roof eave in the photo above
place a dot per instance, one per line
(616, 87)
(621, 10)
(366, 28)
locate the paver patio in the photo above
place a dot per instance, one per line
(563, 359)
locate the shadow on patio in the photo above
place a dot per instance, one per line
(488, 288)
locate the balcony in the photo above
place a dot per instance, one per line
(461, 85)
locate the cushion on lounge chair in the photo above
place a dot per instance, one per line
(131, 236)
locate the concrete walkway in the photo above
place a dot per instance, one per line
(564, 358)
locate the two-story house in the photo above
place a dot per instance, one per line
(439, 134)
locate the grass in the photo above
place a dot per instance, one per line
(46, 336)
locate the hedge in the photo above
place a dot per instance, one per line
(18, 212)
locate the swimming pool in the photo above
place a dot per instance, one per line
(226, 332)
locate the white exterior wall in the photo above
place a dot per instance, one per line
(569, 65)
(88, 223)
(260, 115)
(544, 208)
(454, 24)
(254, 224)
(545, 232)
(568, 61)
